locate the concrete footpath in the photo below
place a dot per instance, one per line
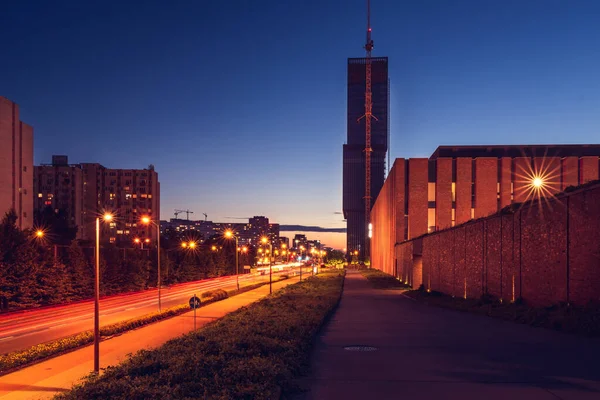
(58, 374)
(423, 352)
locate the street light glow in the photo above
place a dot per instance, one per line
(107, 217)
(183, 244)
(136, 240)
(145, 220)
(39, 233)
(228, 234)
(192, 245)
(264, 239)
(147, 240)
(538, 182)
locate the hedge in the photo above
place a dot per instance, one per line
(252, 353)
(19, 359)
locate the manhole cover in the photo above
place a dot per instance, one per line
(360, 348)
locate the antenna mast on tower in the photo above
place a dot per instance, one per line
(368, 115)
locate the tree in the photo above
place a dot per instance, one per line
(80, 272)
(57, 223)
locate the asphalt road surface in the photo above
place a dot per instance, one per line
(23, 329)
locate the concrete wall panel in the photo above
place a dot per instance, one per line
(417, 200)
(463, 189)
(486, 186)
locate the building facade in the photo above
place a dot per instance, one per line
(16, 164)
(129, 194)
(460, 183)
(353, 150)
(60, 187)
(84, 191)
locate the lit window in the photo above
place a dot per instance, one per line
(431, 219)
(112, 196)
(127, 232)
(40, 195)
(135, 196)
(143, 196)
(431, 191)
(113, 239)
(472, 213)
(149, 196)
(127, 196)
(119, 232)
(113, 224)
(453, 191)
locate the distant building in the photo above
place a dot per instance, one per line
(128, 193)
(60, 187)
(84, 191)
(354, 149)
(16, 164)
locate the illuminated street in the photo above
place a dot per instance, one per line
(20, 330)
(58, 374)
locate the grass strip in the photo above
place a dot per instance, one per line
(19, 359)
(252, 353)
(381, 280)
(584, 320)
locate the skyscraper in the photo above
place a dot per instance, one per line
(354, 157)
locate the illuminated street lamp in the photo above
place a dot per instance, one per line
(229, 234)
(107, 217)
(264, 240)
(39, 233)
(146, 220)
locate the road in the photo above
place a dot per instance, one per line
(20, 330)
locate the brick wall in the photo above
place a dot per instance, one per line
(544, 252)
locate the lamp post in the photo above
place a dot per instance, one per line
(107, 218)
(264, 240)
(229, 234)
(146, 220)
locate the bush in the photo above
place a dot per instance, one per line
(252, 353)
(214, 295)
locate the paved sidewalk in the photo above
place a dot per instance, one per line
(58, 374)
(432, 353)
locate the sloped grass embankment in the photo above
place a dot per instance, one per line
(252, 353)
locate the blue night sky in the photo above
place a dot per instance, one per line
(241, 105)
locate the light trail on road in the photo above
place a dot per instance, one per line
(22, 329)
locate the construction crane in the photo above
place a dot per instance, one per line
(205, 216)
(367, 116)
(187, 212)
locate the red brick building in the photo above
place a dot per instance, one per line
(460, 183)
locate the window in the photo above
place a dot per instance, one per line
(453, 216)
(472, 213)
(113, 239)
(112, 196)
(431, 191)
(119, 232)
(40, 195)
(453, 191)
(431, 219)
(127, 196)
(149, 196)
(24, 169)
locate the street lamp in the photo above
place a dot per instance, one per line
(146, 220)
(264, 240)
(229, 234)
(107, 217)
